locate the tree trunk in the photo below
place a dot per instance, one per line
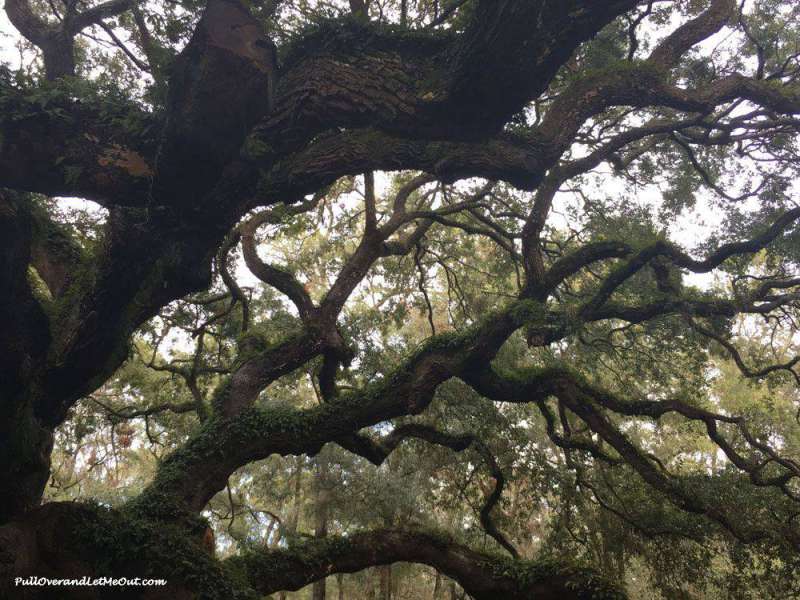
(294, 517)
(340, 585)
(59, 57)
(319, 590)
(360, 9)
(321, 525)
(386, 582)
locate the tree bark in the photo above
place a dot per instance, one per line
(322, 489)
(385, 582)
(340, 585)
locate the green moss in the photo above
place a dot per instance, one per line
(39, 288)
(262, 564)
(525, 312)
(50, 234)
(251, 343)
(622, 69)
(124, 543)
(352, 35)
(220, 395)
(580, 579)
(255, 148)
(66, 99)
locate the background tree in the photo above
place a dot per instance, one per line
(505, 291)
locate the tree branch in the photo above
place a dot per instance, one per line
(483, 576)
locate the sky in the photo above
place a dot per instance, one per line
(8, 39)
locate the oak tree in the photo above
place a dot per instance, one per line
(355, 230)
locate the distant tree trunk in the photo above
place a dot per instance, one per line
(340, 585)
(386, 582)
(298, 480)
(321, 525)
(360, 8)
(318, 592)
(294, 517)
(437, 586)
(268, 535)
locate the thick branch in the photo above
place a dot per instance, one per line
(74, 148)
(278, 278)
(95, 14)
(483, 576)
(669, 52)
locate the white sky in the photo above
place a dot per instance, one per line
(8, 40)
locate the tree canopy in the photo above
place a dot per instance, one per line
(422, 298)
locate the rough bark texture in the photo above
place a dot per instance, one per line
(239, 132)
